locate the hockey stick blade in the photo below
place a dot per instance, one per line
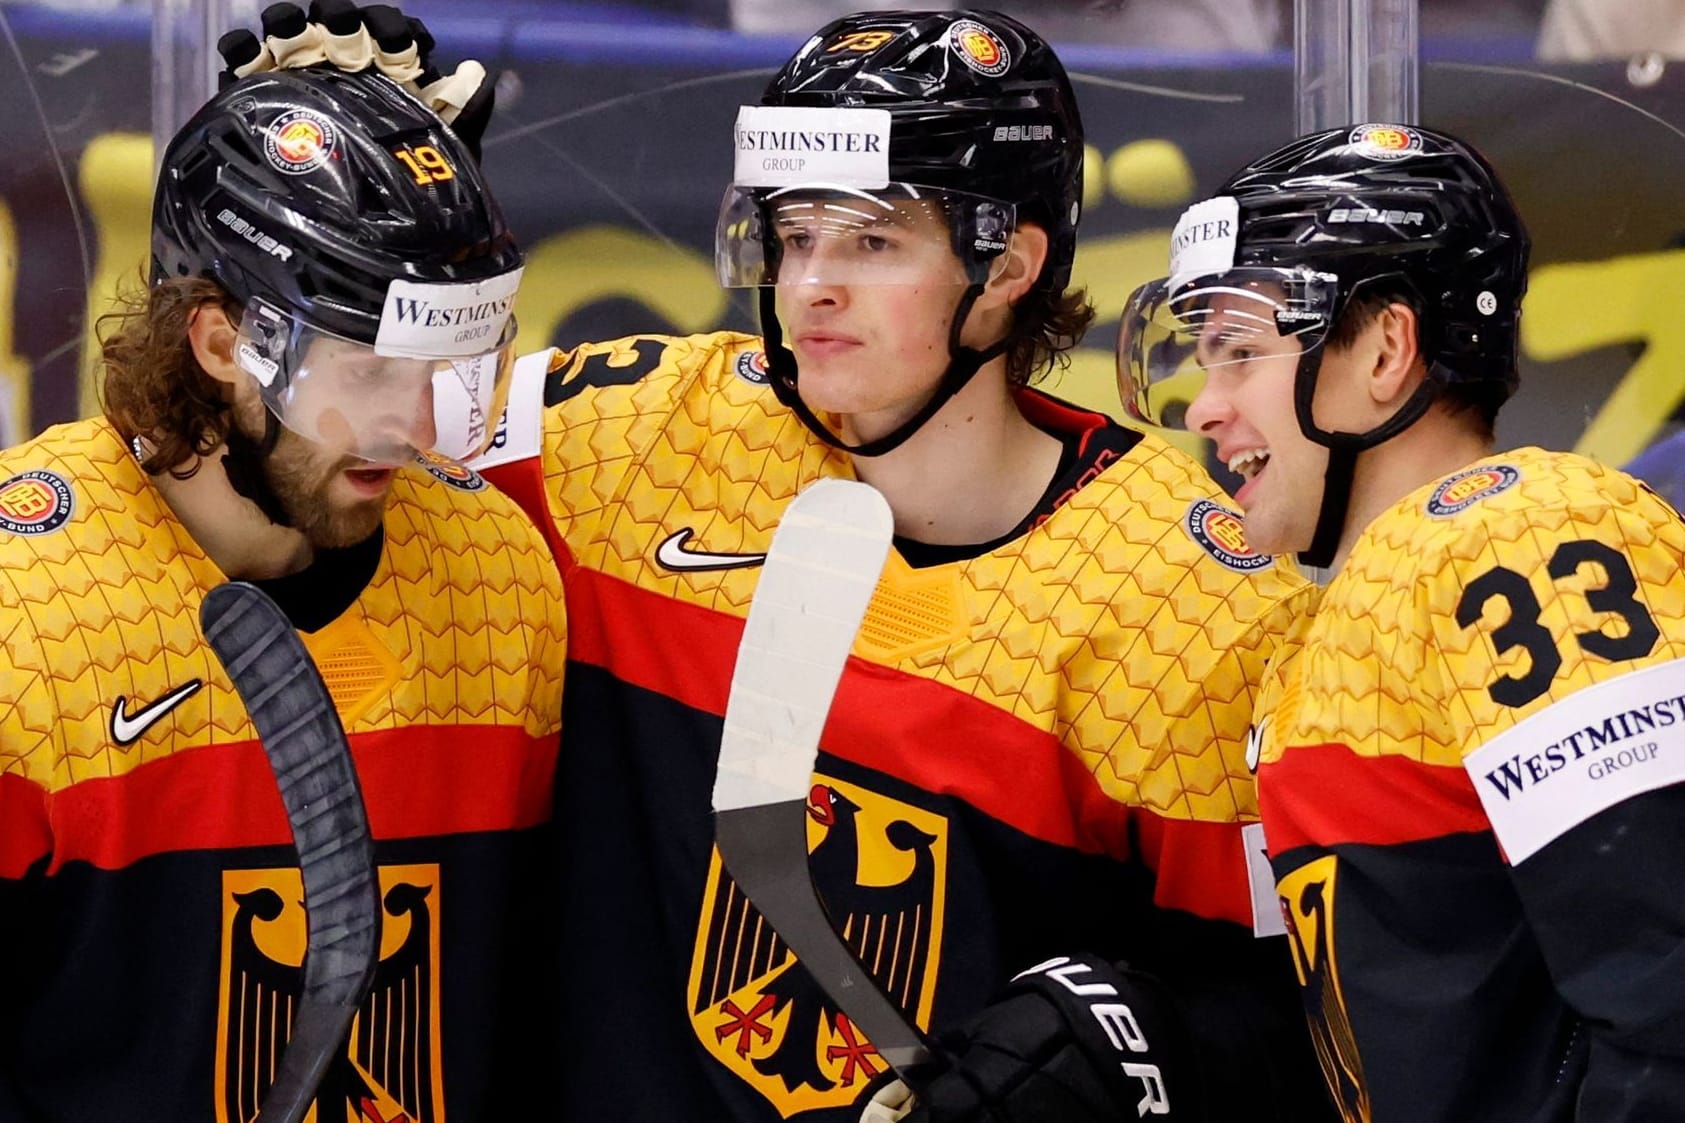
(825, 559)
(307, 750)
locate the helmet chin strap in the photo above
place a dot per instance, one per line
(243, 463)
(1336, 500)
(963, 363)
(1343, 450)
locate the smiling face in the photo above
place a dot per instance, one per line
(866, 294)
(1246, 409)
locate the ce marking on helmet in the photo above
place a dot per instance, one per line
(672, 555)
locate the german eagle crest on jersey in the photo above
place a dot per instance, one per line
(880, 867)
(390, 1072)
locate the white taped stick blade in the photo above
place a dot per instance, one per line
(824, 562)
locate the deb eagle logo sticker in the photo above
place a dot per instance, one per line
(299, 141)
(36, 502)
(1465, 489)
(446, 470)
(751, 367)
(1385, 142)
(979, 48)
(1221, 533)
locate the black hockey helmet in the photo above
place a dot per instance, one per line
(980, 117)
(978, 103)
(336, 205)
(305, 187)
(1382, 202)
(1316, 223)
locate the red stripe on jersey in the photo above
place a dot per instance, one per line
(1326, 795)
(1200, 866)
(418, 782)
(944, 741)
(24, 836)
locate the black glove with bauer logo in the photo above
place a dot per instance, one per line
(1072, 1040)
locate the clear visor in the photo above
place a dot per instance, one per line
(1176, 331)
(902, 234)
(385, 409)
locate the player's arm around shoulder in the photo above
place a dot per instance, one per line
(544, 614)
(648, 371)
(580, 420)
(1560, 617)
(497, 564)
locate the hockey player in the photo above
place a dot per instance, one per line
(317, 319)
(1038, 749)
(1469, 762)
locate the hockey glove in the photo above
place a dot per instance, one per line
(1072, 1040)
(340, 34)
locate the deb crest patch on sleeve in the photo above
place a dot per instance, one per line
(1581, 756)
(36, 502)
(1221, 533)
(1458, 493)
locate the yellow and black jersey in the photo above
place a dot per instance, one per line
(149, 891)
(1030, 748)
(1471, 766)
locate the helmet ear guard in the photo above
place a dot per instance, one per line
(982, 230)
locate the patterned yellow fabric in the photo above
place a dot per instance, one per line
(105, 608)
(1143, 641)
(1388, 670)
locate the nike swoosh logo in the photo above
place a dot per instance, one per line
(671, 554)
(126, 728)
(1255, 743)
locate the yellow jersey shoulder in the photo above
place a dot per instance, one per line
(645, 369)
(1489, 594)
(1166, 510)
(1141, 598)
(76, 486)
(698, 439)
(1508, 507)
(97, 585)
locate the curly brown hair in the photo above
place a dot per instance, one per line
(153, 385)
(1045, 328)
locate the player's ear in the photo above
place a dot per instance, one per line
(1020, 264)
(1398, 367)
(212, 337)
